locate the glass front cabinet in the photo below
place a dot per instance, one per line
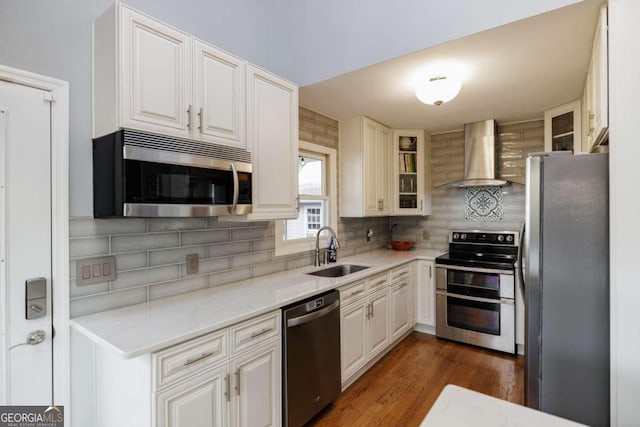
(409, 161)
(562, 128)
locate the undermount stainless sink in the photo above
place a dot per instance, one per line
(338, 270)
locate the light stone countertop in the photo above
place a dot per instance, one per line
(143, 328)
(459, 407)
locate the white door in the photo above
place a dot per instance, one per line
(25, 242)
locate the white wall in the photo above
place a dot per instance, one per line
(315, 40)
(624, 92)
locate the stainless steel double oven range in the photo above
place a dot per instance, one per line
(475, 289)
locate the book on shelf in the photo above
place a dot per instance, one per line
(407, 163)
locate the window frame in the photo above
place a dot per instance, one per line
(287, 247)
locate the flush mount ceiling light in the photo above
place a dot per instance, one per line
(438, 90)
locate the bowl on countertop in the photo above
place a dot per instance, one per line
(401, 245)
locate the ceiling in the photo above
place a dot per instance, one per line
(510, 73)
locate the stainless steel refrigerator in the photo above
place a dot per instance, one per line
(566, 286)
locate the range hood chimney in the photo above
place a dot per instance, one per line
(479, 156)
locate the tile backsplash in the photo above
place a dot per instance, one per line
(483, 203)
(150, 253)
(448, 205)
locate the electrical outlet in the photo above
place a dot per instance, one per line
(426, 235)
(193, 263)
(369, 234)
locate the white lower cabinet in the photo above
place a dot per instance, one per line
(425, 298)
(242, 392)
(364, 332)
(256, 396)
(242, 389)
(198, 402)
(377, 327)
(400, 308)
(375, 314)
(353, 334)
(364, 323)
(229, 377)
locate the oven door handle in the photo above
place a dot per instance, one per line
(478, 299)
(236, 190)
(475, 269)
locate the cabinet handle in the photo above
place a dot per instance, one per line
(189, 117)
(238, 382)
(421, 207)
(227, 387)
(430, 272)
(262, 332)
(368, 313)
(354, 293)
(298, 203)
(371, 304)
(200, 120)
(199, 358)
(380, 204)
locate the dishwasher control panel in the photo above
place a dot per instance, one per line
(315, 304)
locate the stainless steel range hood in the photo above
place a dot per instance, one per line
(479, 156)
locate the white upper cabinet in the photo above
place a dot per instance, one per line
(219, 95)
(596, 89)
(409, 195)
(365, 168)
(150, 76)
(155, 75)
(272, 116)
(562, 128)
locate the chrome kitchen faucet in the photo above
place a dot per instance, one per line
(317, 261)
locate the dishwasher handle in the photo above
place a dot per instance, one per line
(306, 318)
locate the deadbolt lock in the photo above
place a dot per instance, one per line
(36, 298)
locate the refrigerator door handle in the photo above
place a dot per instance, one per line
(520, 264)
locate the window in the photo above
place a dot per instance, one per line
(313, 219)
(317, 189)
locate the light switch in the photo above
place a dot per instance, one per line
(95, 270)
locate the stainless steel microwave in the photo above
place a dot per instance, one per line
(139, 174)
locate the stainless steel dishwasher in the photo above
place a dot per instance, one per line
(311, 357)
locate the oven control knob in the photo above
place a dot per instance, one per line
(509, 238)
(500, 237)
(463, 236)
(455, 236)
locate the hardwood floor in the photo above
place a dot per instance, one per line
(401, 388)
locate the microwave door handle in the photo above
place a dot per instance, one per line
(232, 208)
